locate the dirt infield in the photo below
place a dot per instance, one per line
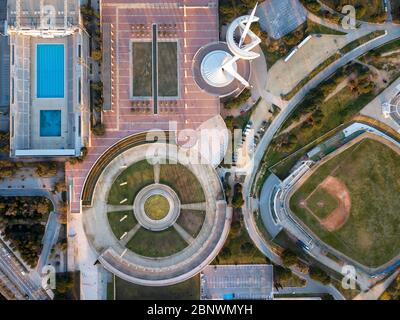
(338, 217)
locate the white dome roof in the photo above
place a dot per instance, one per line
(212, 71)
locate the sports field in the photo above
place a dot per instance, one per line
(351, 202)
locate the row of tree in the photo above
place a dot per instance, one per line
(22, 222)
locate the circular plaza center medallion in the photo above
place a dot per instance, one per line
(156, 207)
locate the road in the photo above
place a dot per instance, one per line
(17, 273)
(251, 205)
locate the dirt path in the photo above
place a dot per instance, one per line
(338, 88)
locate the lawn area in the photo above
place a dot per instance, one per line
(156, 207)
(322, 66)
(315, 28)
(366, 10)
(239, 248)
(120, 227)
(187, 290)
(183, 181)
(167, 69)
(321, 203)
(141, 69)
(371, 172)
(156, 244)
(191, 221)
(137, 176)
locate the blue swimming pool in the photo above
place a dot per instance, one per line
(50, 70)
(50, 123)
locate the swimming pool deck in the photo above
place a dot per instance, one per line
(25, 111)
(64, 141)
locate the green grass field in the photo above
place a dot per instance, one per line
(120, 227)
(187, 290)
(183, 181)
(141, 69)
(371, 172)
(191, 221)
(167, 69)
(156, 207)
(156, 244)
(321, 203)
(138, 175)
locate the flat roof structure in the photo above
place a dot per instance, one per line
(61, 16)
(236, 282)
(4, 58)
(49, 113)
(280, 17)
(191, 24)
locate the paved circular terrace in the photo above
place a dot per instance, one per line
(144, 218)
(157, 271)
(393, 109)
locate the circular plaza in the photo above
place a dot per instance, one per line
(157, 217)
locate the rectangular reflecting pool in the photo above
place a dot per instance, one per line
(50, 123)
(50, 70)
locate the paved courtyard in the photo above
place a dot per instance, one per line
(193, 26)
(230, 282)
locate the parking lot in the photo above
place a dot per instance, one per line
(230, 282)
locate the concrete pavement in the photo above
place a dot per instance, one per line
(377, 290)
(49, 240)
(267, 192)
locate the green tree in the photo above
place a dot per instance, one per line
(319, 275)
(289, 258)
